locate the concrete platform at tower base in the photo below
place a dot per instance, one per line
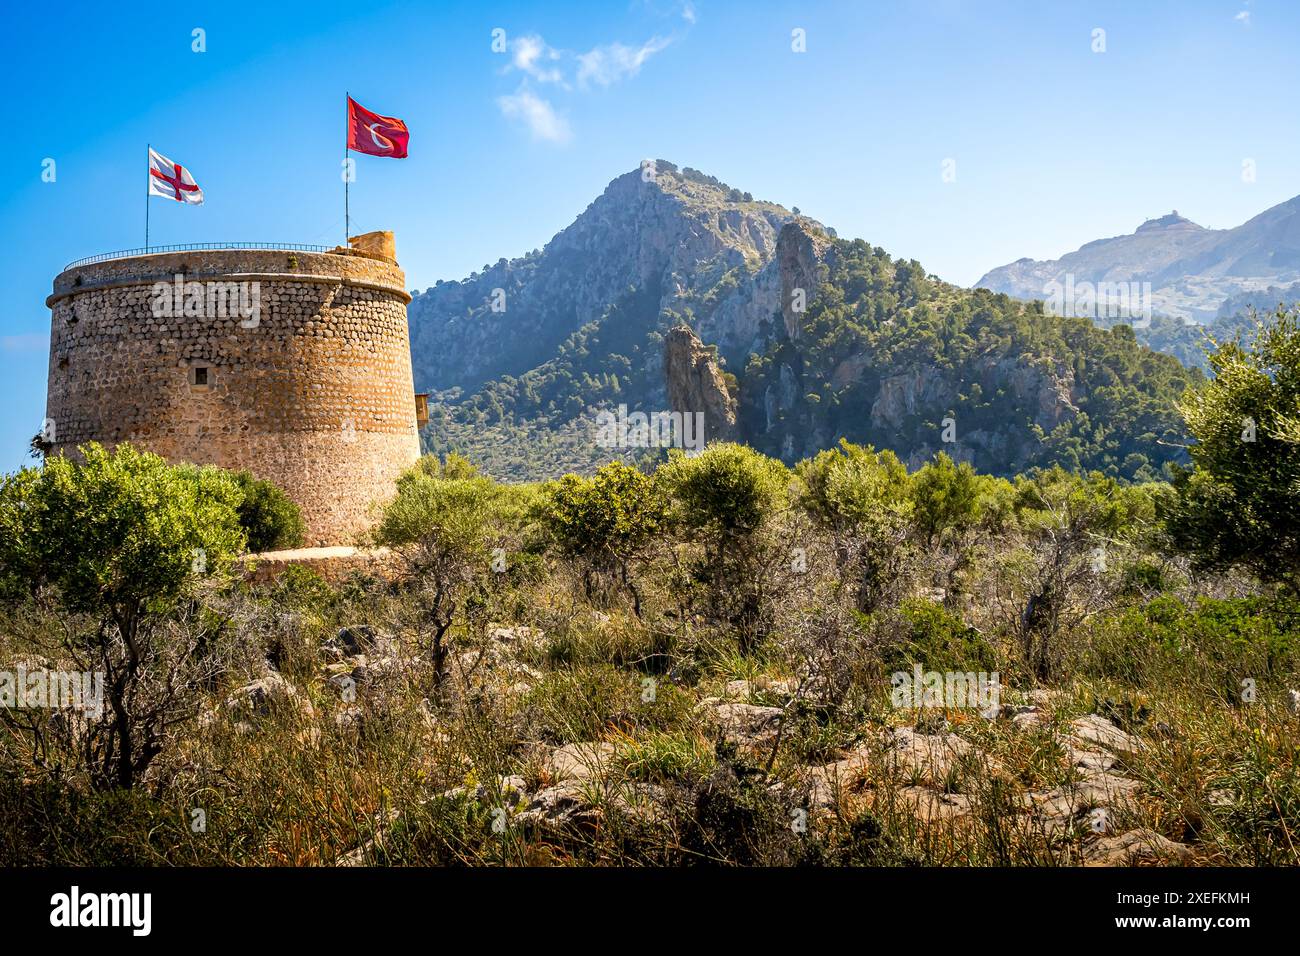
(335, 564)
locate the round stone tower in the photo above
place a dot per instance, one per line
(293, 365)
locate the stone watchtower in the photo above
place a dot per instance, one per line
(291, 363)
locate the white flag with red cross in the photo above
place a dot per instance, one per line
(172, 180)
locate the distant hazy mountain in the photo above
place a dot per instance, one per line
(676, 293)
(1192, 270)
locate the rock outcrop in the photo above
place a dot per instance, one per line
(695, 384)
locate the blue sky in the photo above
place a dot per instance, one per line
(1054, 144)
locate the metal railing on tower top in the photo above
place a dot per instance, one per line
(190, 246)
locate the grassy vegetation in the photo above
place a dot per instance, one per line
(687, 666)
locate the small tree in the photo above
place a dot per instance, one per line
(1236, 506)
(860, 498)
(605, 522)
(113, 545)
(442, 526)
(731, 500)
(945, 496)
(1069, 522)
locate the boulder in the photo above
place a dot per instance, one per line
(748, 725)
(932, 806)
(1089, 760)
(1059, 808)
(927, 758)
(1135, 847)
(1096, 730)
(580, 761)
(357, 640)
(826, 783)
(555, 806)
(262, 696)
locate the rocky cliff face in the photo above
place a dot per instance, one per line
(693, 245)
(1045, 389)
(695, 384)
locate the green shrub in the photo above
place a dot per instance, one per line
(727, 489)
(1214, 643)
(945, 495)
(269, 517)
(928, 634)
(123, 539)
(604, 522)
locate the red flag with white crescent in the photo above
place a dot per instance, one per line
(374, 134)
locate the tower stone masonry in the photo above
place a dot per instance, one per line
(295, 366)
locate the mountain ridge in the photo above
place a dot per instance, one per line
(803, 337)
(1192, 270)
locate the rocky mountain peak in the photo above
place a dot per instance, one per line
(1171, 221)
(681, 243)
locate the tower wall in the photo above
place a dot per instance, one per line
(312, 389)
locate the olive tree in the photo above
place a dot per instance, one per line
(441, 522)
(1236, 505)
(605, 522)
(113, 546)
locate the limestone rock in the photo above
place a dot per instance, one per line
(1094, 729)
(580, 761)
(799, 253)
(1061, 807)
(928, 758)
(748, 725)
(1136, 847)
(826, 783)
(694, 383)
(564, 803)
(930, 806)
(262, 696)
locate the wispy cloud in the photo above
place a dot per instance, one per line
(30, 342)
(606, 65)
(532, 55)
(537, 114)
(566, 72)
(1243, 17)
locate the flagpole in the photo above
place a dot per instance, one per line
(347, 172)
(148, 165)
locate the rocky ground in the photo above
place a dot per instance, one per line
(932, 769)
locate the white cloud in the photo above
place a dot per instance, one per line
(533, 56)
(612, 62)
(1243, 17)
(541, 63)
(688, 12)
(537, 114)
